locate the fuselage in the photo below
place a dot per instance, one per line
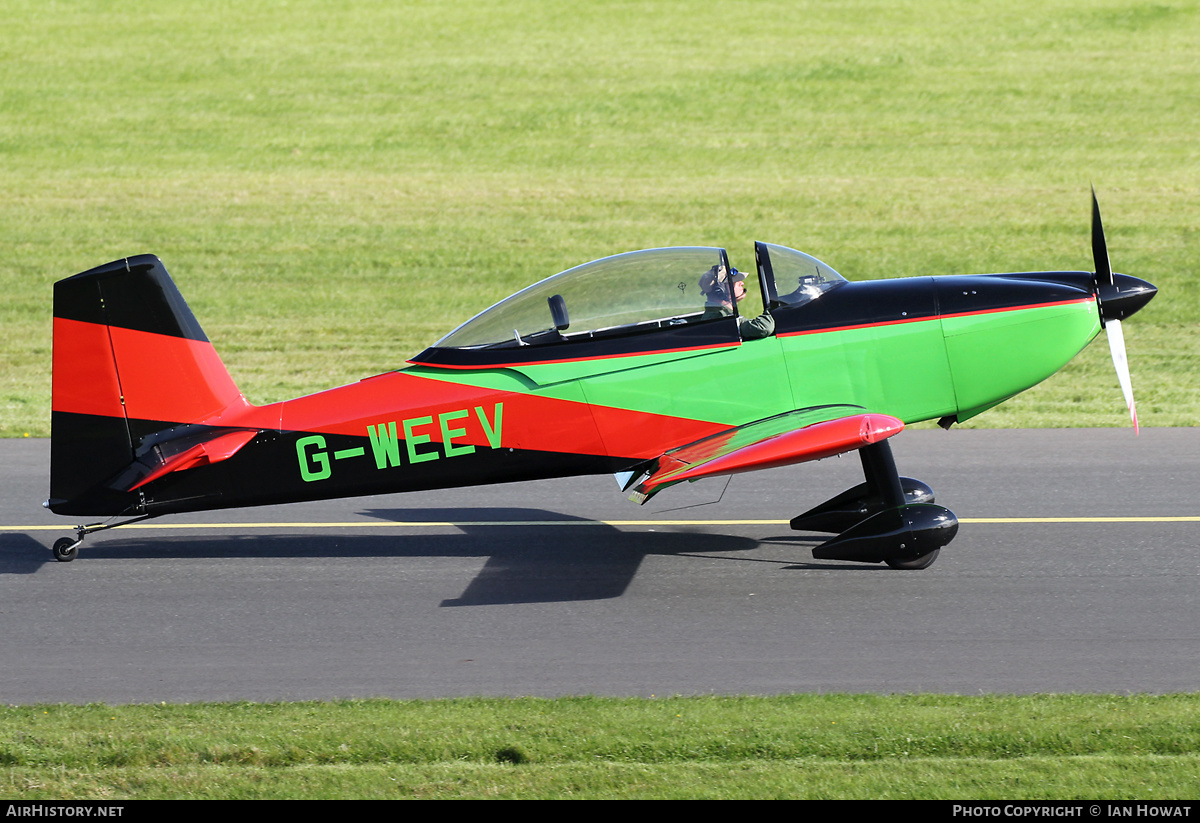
(914, 348)
(605, 393)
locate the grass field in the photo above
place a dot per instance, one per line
(334, 186)
(800, 746)
(333, 190)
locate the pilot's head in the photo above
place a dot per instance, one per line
(716, 288)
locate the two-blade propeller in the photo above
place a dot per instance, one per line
(1111, 321)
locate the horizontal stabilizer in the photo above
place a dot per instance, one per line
(220, 447)
(794, 437)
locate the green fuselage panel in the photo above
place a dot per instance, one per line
(996, 355)
(899, 369)
(919, 369)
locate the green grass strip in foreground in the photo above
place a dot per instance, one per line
(846, 746)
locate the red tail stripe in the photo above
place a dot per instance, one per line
(160, 377)
(171, 378)
(85, 378)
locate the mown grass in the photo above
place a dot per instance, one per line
(1046, 747)
(333, 190)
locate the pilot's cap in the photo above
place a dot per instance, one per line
(709, 283)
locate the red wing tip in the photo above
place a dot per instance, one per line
(876, 427)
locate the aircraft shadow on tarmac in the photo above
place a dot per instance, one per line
(533, 555)
(577, 560)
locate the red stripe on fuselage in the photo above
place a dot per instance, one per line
(526, 421)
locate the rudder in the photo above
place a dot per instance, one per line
(130, 361)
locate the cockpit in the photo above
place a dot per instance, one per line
(792, 278)
(640, 292)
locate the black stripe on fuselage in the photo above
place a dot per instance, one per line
(902, 300)
(979, 293)
(271, 469)
(550, 347)
(286, 467)
(868, 303)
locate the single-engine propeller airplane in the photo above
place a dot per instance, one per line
(636, 364)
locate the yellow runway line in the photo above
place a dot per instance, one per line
(421, 524)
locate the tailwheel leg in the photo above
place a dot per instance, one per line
(888, 519)
(66, 549)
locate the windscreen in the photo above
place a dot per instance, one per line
(626, 290)
(799, 277)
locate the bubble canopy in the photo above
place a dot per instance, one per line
(635, 290)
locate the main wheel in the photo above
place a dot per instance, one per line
(922, 562)
(65, 549)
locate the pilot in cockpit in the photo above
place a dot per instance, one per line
(715, 286)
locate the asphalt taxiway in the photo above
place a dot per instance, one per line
(1075, 568)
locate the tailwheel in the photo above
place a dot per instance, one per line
(66, 549)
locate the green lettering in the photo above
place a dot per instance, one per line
(448, 433)
(318, 458)
(411, 441)
(492, 431)
(385, 445)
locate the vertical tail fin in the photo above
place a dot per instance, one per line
(130, 361)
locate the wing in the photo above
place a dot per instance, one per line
(794, 437)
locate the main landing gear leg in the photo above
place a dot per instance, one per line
(888, 519)
(66, 549)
